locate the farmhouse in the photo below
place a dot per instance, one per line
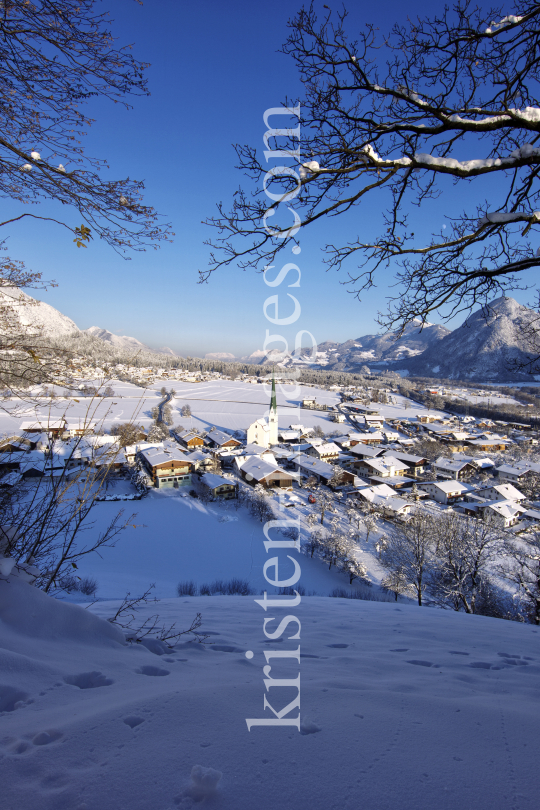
(168, 468)
(326, 451)
(256, 470)
(190, 439)
(221, 440)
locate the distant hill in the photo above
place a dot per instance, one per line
(124, 342)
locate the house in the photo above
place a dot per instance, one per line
(368, 493)
(326, 451)
(445, 491)
(221, 440)
(502, 513)
(80, 427)
(516, 474)
(309, 403)
(361, 451)
(256, 470)
(219, 487)
(501, 492)
(382, 468)
(54, 427)
(338, 417)
(322, 471)
(449, 468)
(490, 445)
(426, 418)
(190, 439)
(415, 464)
(167, 468)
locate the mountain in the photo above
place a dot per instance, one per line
(124, 342)
(380, 350)
(356, 355)
(36, 315)
(484, 347)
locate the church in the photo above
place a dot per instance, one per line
(264, 432)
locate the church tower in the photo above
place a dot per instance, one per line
(273, 415)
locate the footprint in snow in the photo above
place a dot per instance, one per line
(12, 698)
(155, 671)
(457, 652)
(133, 720)
(88, 680)
(338, 646)
(421, 663)
(46, 737)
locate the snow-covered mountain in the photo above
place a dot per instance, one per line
(124, 341)
(484, 347)
(36, 315)
(380, 349)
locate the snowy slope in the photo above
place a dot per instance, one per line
(483, 348)
(120, 342)
(36, 314)
(401, 707)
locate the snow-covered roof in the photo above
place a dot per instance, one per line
(212, 480)
(219, 437)
(450, 464)
(157, 455)
(315, 465)
(259, 468)
(447, 486)
(506, 491)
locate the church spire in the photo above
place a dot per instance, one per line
(273, 401)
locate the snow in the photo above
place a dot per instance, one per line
(400, 707)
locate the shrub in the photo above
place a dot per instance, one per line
(365, 596)
(88, 586)
(187, 588)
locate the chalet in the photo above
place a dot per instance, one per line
(326, 451)
(367, 438)
(490, 445)
(517, 474)
(80, 427)
(501, 492)
(190, 439)
(219, 487)
(168, 468)
(366, 451)
(426, 418)
(381, 468)
(502, 513)
(256, 470)
(368, 493)
(448, 468)
(445, 491)
(221, 440)
(415, 464)
(373, 422)
(309, 403)
(54, 427)
(323, 472)
(16, 444)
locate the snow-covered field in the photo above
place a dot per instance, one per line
(401, 707)
(175, 538)
(222, 404)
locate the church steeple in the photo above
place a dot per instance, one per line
(273, 401)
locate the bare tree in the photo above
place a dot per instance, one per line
(465, 550)
(408, 550)
(522, 569)
(399, 117)
(186, 411)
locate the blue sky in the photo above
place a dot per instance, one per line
(214, 71)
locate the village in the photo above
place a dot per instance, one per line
(357, 461)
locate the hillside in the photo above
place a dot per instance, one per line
(36, 315)
(401, 707)
(484, 347)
